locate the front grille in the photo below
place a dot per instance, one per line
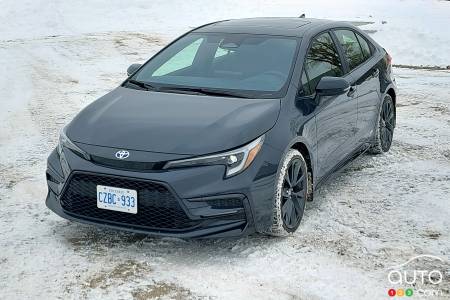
(127, 165)
(157, 206)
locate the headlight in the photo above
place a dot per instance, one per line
(235, 161)
(64, 142)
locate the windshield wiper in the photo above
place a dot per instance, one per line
(203, 91)
(144, 85)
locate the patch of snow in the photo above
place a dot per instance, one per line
(414, 32)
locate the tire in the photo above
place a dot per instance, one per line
(290, 197)
(384, 130)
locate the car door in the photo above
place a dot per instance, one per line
(336, 116)
(364, 71)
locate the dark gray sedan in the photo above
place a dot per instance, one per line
(227, 131)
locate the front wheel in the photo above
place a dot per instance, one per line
(290, 195)
(384, 130)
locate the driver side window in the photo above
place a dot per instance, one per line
(322, 60)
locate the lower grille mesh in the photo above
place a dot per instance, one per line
(157, 207)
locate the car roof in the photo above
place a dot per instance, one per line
(270, 26)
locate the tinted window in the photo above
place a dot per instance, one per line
(257, 65)
(322, 60)
(351, 47)
(364, 46)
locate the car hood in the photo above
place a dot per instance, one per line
(172, 123)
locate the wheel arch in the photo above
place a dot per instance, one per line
(305, 151)
(391, 92)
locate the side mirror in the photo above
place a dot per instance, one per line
(133, 68)
(331, 86)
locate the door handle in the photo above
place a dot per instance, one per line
(351, 91)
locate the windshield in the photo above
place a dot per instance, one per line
(251, 65)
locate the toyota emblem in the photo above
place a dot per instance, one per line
(122, 154)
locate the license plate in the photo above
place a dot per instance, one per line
(117, 199)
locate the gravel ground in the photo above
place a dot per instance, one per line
(380, 211)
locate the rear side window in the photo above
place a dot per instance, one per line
(364, 46)
(322, 60)
(352, 50)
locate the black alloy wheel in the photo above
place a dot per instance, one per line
(293, 195)
(387, 124)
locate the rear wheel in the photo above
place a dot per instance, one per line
(384, 130)
(291, 194)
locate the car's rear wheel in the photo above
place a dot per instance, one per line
(384, 130)
(291, 194)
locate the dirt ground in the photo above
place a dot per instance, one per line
(380, 211)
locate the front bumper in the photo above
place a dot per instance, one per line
(213, 229)
(187, 203)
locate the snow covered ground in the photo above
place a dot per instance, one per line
(58, 56)
(415, 32)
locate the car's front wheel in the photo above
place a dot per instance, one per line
(291, 193)
(384, 129)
